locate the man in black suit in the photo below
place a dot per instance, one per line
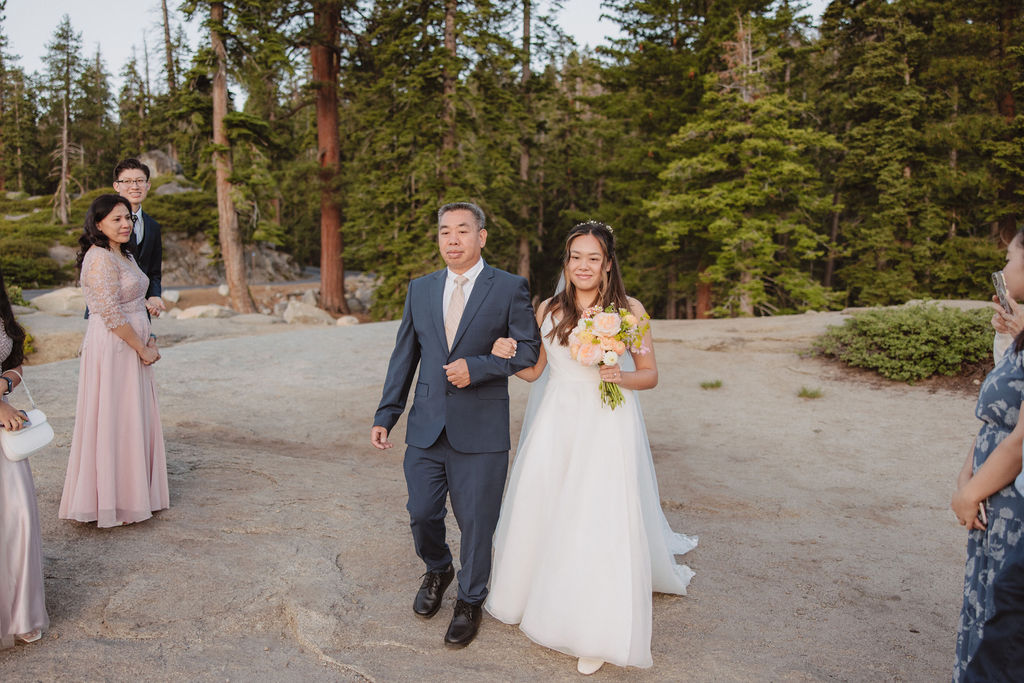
(131, 180)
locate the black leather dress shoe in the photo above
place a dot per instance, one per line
(428, 597)
(465, 624)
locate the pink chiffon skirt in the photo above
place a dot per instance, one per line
(117, 470)
(22, 600)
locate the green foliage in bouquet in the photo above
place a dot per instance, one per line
(911, 343)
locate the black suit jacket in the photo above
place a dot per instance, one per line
(149, 254)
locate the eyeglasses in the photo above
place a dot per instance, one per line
(137, 182)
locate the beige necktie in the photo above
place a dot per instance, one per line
(455, 307)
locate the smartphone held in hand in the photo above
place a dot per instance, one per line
(999, 282)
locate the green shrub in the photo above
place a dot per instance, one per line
(712, 384)
(911, 343)
(15, 295)
(188, 212)
(809, 393)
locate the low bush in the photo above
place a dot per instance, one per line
(911, 343)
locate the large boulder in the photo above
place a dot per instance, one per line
(303, 314)
(63, 301)
(160, 163)
(207, 311)
(62, 254)
(189, 262)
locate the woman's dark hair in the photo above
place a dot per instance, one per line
(611, 291)
(91, 235)
(1018, 342)
(15, 331)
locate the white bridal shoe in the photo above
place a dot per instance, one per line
(588, 665)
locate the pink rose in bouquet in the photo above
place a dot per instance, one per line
(606, 324)
(601, 337)
(590, 354)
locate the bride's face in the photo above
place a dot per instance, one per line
(586, 263)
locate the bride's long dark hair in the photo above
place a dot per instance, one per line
(611, 291)
(15, 331)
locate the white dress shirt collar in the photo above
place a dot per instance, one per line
(449, 284)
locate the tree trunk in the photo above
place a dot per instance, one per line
(830, 262)
(172, 77)
(448, 74)
(703, 299)
(227, 220)
(17, 150)
(61, 200)
(324, 57)
(172, 85)
(523, 268)
(671, 295)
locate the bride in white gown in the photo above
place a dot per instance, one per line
(582, 541)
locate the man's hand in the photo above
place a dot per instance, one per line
(458, 373)
(379, 438)
(155, 306)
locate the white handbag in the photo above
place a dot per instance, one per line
(32, 436)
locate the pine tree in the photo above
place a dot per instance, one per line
(745, 189)
(63, 67)
(94, 127)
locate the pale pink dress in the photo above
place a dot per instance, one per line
(117, 471)
(22, 600)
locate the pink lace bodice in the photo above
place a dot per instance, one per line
(113, 285)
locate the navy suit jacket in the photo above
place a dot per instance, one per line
(475, 418)
(149, 255)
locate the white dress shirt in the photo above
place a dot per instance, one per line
(449, 285)
(138, 229)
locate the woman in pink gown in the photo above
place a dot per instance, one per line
(22, 600)
(117, 472)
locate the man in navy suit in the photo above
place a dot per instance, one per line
(131, 180)
(458, 430)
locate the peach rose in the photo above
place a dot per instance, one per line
(574, 346)
(607, 324)
(630, 319)
(619, 348)
(590, 354)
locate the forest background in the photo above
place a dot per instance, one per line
(750, 162)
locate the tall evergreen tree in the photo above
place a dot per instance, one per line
(94, 126)
(63, 61)
(746, 189)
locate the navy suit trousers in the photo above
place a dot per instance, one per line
(475, 482)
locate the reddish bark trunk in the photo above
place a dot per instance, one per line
(324, 57)
(227, 220)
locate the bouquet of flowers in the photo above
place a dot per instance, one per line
(601, 337)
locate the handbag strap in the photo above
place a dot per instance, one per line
(25, 386)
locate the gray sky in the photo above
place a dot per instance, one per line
(119, 26)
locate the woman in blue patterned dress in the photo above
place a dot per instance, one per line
(987, 477)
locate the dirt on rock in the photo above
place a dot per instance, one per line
(827, 547)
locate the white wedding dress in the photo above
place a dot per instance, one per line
(582, 541)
